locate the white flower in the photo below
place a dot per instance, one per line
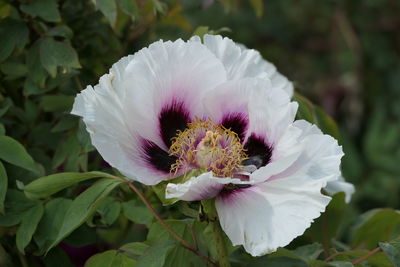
(222, 109)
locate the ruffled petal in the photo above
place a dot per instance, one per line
(205, 186)
(241, 62)
(269, 215)
(340, 186)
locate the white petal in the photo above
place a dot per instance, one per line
(166, 73)
(204, 186)
(269, 215)
(340, 186)
(241, 62)
(270, 112)
(101, 112)
(122, 111)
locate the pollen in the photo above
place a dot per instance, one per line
(204, 145)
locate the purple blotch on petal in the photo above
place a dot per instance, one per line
(173, 117)
(236, 122)
(158, 158)
(258, 152)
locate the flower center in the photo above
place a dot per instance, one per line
(205, 145)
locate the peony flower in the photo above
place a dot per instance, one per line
(217, 110)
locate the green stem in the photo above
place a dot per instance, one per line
(223, 259)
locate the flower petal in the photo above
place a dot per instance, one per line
(167, 82)
(241, 62)
(340, 186)
(204, 186)
(269, 215)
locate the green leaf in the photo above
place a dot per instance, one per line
(392, 251)
(2, 129)
(46, 186)
(135, 248)
(51, 222)
(28, 226)
(45, 9)
(3, 186)
(137, 212)
(5, 106)
(376, 226)
(61, 31)
(84, 206)
(110, 258)
(16, 206)
(315, 115)
(17, 36)
(13, 70)
(55, 54)
(155, 256)
(326, 226)
(13, 152)
(109, 10)
(51, 103)
(129, 7)
(200, 31)
(109, 210)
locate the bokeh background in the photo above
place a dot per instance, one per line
(342, 55)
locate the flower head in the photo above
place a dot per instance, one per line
(221, 109)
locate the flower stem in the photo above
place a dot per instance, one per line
(223, 259)
(183, 242)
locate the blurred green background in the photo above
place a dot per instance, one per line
(342, 55)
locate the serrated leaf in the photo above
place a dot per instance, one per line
(13, 152)
(84, 206)
(28, 226)
(110, 258)
(392, 251)
(45, 9)
(3, 186)
(17, 36)
(109, 10)
(55, 54)
(46, 186)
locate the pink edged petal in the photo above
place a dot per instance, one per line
(269, 215)
(340, 186)
(204, 186)
(241, 62)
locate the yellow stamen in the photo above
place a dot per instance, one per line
(219, 150)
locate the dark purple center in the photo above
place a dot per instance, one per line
(172, 118)
(236, 122)
(258, 152)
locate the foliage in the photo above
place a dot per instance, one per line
(341, 54)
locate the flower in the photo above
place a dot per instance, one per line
(220, 109)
